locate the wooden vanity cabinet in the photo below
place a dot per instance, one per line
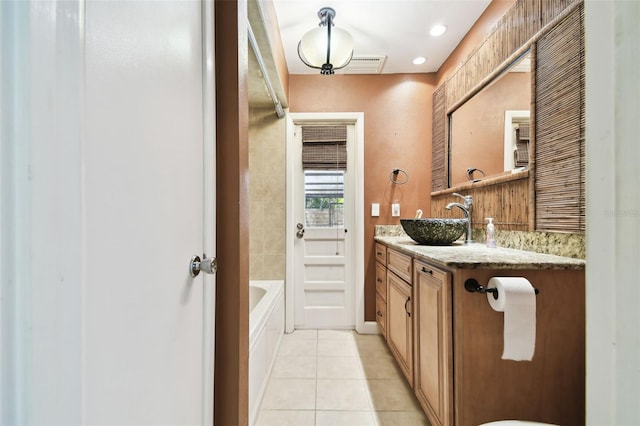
(448, 343)
(433, 355)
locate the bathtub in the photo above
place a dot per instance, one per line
(266, 327)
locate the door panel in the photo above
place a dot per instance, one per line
(144, 352)
(323, 298)
(400, 323)
(108, 131)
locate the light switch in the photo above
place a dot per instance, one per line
(395, 210)
(375, 209)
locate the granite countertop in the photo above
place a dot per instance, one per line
(479, 256)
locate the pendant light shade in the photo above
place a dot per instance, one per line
(326, 48)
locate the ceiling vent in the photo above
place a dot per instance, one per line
(369, 64)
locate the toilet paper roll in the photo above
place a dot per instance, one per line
(517, 299)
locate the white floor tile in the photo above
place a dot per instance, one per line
(392, 394)
(286, 418)
(301, 335)
(343, 394)
(372, 345)
(400, 418)
(337, 334)
(293, 347)
(295, 367)
(337, 377)
(381, 367)
(345, 418)
(338, 347)
(335, 367)
(290, 394)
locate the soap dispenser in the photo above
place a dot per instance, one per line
(491, 233)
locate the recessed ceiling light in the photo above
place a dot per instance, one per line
(438, 30)
(419, 60)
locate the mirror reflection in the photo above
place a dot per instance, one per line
(489, 134)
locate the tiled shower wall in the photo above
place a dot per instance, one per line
(267, 178)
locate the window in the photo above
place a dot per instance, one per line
(324, 198)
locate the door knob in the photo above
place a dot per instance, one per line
(209, 265)
(300, 232)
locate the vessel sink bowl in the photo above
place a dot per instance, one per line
(434, 231)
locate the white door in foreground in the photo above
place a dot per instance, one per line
(113, 192)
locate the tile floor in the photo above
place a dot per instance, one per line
(337, 377)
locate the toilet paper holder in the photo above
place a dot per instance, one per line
(473, 286)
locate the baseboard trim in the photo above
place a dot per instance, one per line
(369, 327)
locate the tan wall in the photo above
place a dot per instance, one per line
(473, 38)
(397, 134)
(267, 180)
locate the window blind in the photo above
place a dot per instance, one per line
(324, 147)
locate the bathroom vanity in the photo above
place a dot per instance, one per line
(448, 341)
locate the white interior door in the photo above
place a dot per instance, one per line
(115, 193)
(145, 213)
(323, 247)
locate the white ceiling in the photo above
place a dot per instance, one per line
(398, 29)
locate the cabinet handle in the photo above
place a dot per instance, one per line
(379, 313)
(379, 254)
(427, 271)
(379, 280)
(405, 306)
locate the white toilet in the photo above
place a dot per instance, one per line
(515, 423)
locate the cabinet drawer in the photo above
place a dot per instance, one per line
(436, 275)
(400, 264)
(381, 281)
(381, 253)
(381, 314)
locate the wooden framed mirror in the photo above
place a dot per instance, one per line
(549, 194)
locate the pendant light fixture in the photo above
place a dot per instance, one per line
(326, 48)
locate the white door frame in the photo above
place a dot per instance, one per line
(356, 119)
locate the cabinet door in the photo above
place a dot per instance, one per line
(400, 323)
(433, 322)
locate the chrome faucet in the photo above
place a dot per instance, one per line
(466, 209)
